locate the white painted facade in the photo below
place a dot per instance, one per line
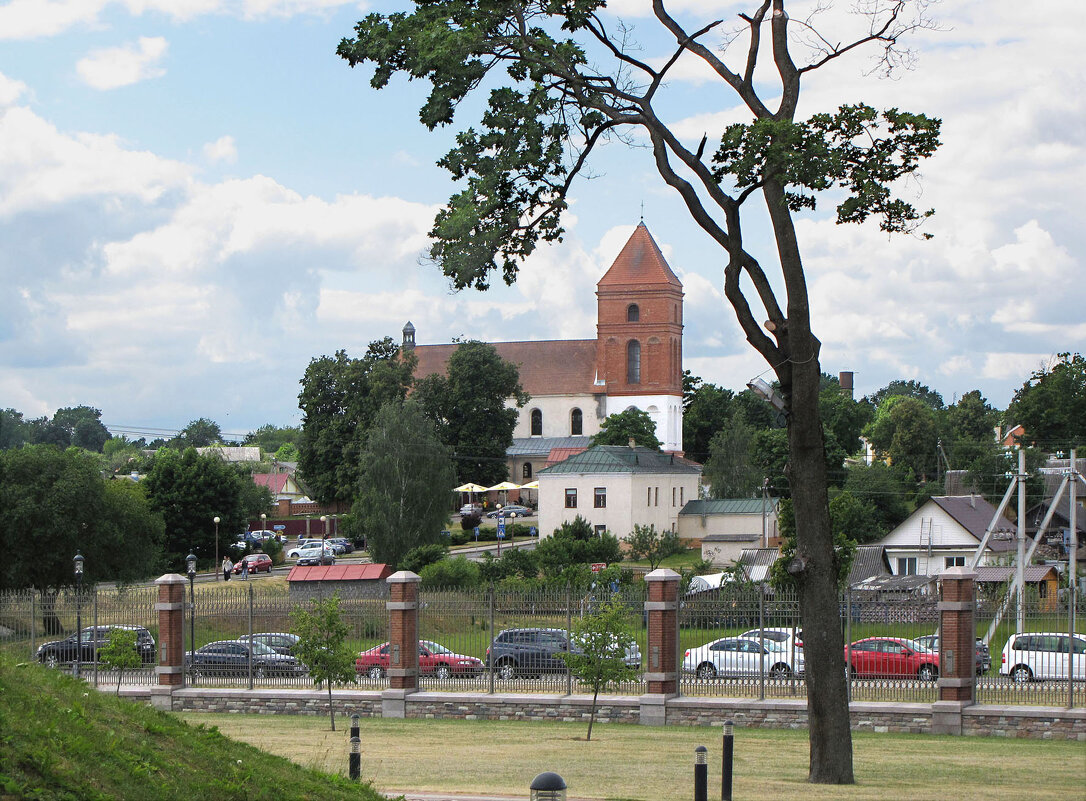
(665, 410)
(556, 411)
(930, 537)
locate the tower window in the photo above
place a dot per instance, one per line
(526, 471)
(633, 313)
(537, 423)
(633, 362)
(575, 424)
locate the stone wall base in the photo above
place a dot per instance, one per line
(1048, 723)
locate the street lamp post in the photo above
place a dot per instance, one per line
(263, 524)
(324, 535)
(191, 562)
(215, 519)
(78, 561)
(512, 530)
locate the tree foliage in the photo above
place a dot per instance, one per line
(1051, 404)
(468, 404)
(189, 490)
(632, 424)
(900, 388)
(120, 653)
(270, 438)
(322, 645)
(56, 505)
(730, 470)
(403, 493)
(199, 433)
(562, 81)
(597, 656)
(78, 426)
(339, 400)
(645, 542)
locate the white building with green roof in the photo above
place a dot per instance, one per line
(614, 487)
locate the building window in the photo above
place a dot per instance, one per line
(537, 423)
(682, 492)
(526, 471)
(656, 497)
(648, 498)
(633, 314)
(600, 530)
(954, 561)
(633, 362)
(673, 496)
(571, 498)
(599, 499)
(575, 424)
(906, 565)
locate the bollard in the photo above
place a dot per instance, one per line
(701, 773)
(354, 766)
(726, 772)
(354, 724)
(548, 787)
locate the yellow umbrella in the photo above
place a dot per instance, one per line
(530, 485)
(470, 488)
(505, 485)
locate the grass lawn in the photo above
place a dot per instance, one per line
(641, 762)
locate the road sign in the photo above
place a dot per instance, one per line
(501, 526)
(279, 528)
(598, 566)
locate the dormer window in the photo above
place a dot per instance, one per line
(633, 314)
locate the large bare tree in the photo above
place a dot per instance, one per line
(565, 77)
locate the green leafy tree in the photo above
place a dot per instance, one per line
(339, 400)
(880, 486)
(907, 389)
(80, 426)
(562, 82)
(707, 410)
(730, 470)
(597, 657)
(403, 496)
(199, 433)
(971, 423)
(56, 505)
(468, 405)
(1051, 404)
(645, 542)
(418, 558)
(322, 645)
(14, 431)
(287, 452)
(855, 518)
(619, 428)
(120, 653)
(457, 573)
(565, 556)
(189, 490)
(904, 429)
(270, 438)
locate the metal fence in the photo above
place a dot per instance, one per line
(742, 642)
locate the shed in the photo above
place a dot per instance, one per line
(1044, 579)
(350, 581)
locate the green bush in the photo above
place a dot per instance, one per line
(449, 573)
(469, 522)
(461, 538)
(274, 549)
(418, 558)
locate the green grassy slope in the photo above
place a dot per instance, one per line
(61, 739)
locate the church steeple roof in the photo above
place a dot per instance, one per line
(640, 263)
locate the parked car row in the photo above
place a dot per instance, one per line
(1044, 655)
(87, 642)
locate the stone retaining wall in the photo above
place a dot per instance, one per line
(1047, 723)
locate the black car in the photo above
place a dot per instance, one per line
(279, 641)
(231, 658)
(528, 652)
(87, 643)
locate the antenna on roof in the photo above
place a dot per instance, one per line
(642, 211)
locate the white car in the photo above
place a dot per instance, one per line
(735, 656)
(1044, 655)
(301, 546)
(317, 555)
(788, 639)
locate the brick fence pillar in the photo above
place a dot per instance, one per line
(957, 649)
(171, 638)
(661, 662)
(403, 643)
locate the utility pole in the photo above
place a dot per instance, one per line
(1020, 568)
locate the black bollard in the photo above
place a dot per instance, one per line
(355, 763)
(354, 724)
(701, 773)
(726, 773)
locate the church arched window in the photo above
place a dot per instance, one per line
(633, 362)
(537, 423)
(633, 314)
(575, 423)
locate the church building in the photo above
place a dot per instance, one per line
(634, 361)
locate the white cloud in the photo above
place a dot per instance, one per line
(114, 67)
(223, 149)
(10, 90)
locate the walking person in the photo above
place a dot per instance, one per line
(227, 566)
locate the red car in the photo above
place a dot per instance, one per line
(893, 657)
(434, 659)
(254, 563)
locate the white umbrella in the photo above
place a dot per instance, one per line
(470, 488)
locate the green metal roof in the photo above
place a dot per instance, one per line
(622, 459)
(729, 506)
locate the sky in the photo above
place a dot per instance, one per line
(197, 197)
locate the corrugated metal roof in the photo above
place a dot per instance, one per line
(541, 446)
(728, 506)
(756, 562)
(1001, 575)
(974, 514)
(869, 561)
(622, 459)
(367, 572)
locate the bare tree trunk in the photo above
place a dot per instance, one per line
(592, 715)
(331, 709)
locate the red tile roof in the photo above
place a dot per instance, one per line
(640, 263)
(561, 454)
(276, 482)
(550, 367)
(368, 572)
